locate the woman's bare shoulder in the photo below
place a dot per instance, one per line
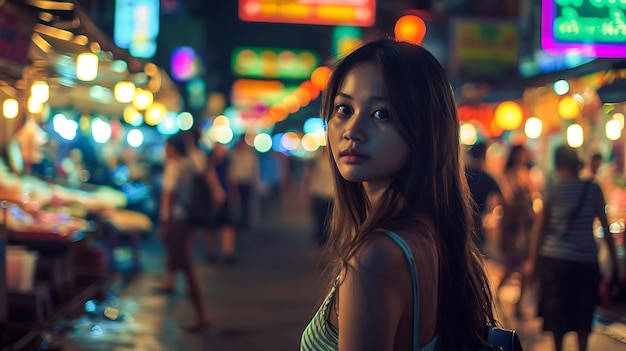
(383, 256)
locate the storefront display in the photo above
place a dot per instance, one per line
(49, 222)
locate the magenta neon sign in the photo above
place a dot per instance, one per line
(592, 28)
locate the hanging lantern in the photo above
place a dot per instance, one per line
(568, 108)
(410, 28)
(10, 108)
(613, 129)
(468, 134)
(124, 92)
(132, 116)
(40, 91)
(34, 105)
(533, 128)
(575, 135)
(561, 87)
(291, 103)
(508, 115)
(155, 114)
(143, 99)
(619, 117)
(320, 77)
(87, 66)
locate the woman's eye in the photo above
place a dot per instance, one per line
(343, 110)
(381, 114)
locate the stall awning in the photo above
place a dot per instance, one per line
(508, 88)
(60, 32)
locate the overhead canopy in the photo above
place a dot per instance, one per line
(61, 30)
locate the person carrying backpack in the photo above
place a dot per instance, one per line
(175, 228)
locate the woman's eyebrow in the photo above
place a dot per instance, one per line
(348, 96)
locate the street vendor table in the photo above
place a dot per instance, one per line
(56, 254)
(123, 224)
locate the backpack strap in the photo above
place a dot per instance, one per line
(407, 253)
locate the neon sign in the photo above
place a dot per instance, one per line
(185, 64)
(137, 26)
(273, 63)
(595, 28)
(361, 13)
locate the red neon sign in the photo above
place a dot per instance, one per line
(360, 13)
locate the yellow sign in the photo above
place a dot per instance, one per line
(484, 49)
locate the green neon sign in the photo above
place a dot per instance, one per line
(590, 21)
(273, 63)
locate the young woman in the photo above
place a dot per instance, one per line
(393, 136)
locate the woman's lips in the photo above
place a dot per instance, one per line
(351, 156)
(353, 159)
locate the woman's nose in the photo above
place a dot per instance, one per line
(355, 129)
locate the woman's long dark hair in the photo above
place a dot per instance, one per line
(432, 183)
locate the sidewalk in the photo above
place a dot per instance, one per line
(261, 303)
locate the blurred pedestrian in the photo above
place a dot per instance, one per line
(564, 251)
(208, 192)
(483, 187)
(270, 169)
(595, 163)
(224, 222)
(318, 184)
(73, 167)
(591, 171)
(517, 218)
(401, 211)
(245, 171)
(176, 232)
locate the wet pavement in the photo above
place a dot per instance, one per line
(264, 301)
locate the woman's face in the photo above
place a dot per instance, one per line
(365, 144)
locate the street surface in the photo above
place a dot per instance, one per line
(265, 300)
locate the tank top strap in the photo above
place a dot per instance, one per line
(409, 256)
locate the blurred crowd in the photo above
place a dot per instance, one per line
(514, 196)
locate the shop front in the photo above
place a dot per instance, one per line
(62, 79)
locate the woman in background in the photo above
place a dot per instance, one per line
(517, 218)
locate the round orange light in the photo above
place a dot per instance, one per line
(508, 115)
(320, 77)
(292, 103)
(313, 91)
(278, 112)
(410, 28)
(303, 95)
(568, 108)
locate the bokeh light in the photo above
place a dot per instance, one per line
(134, 138)
(533, 128)
(263, 142)
(575, 135)
(100, 130)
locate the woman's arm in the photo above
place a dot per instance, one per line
(537, 238)
(372, 297)
(219, 196)
(608, 237)
(170, 177)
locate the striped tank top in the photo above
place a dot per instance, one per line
(320, 334)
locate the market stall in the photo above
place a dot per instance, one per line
(47, 224)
